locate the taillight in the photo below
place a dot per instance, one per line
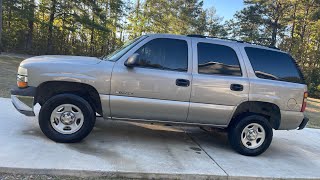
(304, 102)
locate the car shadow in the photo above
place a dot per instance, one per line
(109, 136)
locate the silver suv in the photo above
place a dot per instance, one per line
(244, 88)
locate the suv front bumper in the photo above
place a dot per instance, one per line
(23, 100)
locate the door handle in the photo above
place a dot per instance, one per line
(236, 87)
(182, 82)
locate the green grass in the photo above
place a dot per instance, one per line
(8, 72)
(313, 112)
(13, 176)
(9, 66)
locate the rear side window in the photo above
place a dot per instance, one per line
(274, 65)
(164, 54)
(217, 59)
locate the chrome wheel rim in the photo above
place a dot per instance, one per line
(253, 136)
(67, 119)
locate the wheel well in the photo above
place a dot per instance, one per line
(268, 110)
(48, 89)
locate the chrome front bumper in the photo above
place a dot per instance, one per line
(23, 100)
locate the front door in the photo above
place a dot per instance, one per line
(159, 87)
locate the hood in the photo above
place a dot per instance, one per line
(82, 60)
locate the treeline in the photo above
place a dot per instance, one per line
(291, 25)
(97, 27)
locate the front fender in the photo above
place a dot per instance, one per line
(97, 76)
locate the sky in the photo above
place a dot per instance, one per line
(225, 8)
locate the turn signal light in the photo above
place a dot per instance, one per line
(304, 102)
(21, 84)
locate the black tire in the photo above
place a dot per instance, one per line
(55, 101)
(235, 132)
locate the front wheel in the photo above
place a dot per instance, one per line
(250, 135)
(66, 118)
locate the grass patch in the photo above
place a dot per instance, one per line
(14, 176)
(8, 71)
(313, 112)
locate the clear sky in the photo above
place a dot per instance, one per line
(225, 8)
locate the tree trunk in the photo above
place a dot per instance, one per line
(0, 26)
(92, 30)
(302, 35)
(293, 26)
(92, 39)
(303, 30)
(50, 29)
(30, 26)
(274, 34)
(9, 18)
(275, 25)
(64, 40)
(137, 18)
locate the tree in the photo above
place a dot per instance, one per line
(97, 27)
(214, 26)
(50, 26)
(30, 9)
(175, 17)
(262, 21)
(0, 26)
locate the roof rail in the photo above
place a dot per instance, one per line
(239, 41)
(202, 36)
(197, 35)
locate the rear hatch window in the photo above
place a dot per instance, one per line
(274, 65)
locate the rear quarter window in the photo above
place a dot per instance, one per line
(268, 64)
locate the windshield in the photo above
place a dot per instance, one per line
(117, 54)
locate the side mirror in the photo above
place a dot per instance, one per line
(132, 61)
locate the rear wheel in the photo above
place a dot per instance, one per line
(66, 118)
(251, 135)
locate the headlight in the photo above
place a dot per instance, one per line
(22, 71)
(22, 77)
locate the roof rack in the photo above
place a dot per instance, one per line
(202, 36)
(239, 41)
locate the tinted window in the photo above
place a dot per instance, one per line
(273, 65)
(124, 49)
(217, 59)
(166, 54)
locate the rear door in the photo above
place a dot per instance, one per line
(219, 82)
(159, 87)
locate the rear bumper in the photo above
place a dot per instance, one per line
(291, 120)
(23, 100)
(303, 123)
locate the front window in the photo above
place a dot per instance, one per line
(117, 54)
(164, 54)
